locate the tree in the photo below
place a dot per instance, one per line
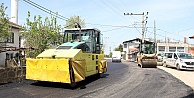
(40, 34)
(4, 24)
(72, 21)
(119, 48)
(110, 54)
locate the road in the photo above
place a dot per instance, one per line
(184, 75)
(123, 80)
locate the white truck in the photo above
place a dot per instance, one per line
(116, 56)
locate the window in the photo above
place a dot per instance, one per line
(9, 56)
(168, 55)
(172, 49)
(148, 48)
(84, 48)
(161, 48)
(175, 56)
(180, 49)
(185, 56)
(64, 47)
(11, 38)
(125, 45)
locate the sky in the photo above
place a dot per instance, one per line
(174, 19)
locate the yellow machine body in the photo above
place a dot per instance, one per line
(68, 65)
(147, 60)
(58, 69)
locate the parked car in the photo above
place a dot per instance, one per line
(179, 60)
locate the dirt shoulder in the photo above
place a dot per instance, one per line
(185, 76)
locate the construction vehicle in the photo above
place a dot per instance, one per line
(78, 57)
(147, 56)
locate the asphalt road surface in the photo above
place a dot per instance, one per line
(123, 80)
(184, 75)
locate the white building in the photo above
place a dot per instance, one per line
(10, 48)
(130, 49)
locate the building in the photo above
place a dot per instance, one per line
(173, 47)
(10, 48)
(131, 48)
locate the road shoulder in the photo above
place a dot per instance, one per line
(185, 76)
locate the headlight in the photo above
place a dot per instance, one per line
(181, 61)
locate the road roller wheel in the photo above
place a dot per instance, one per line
(164, 64)
(142, 66)
(178, 67)
(101, 75)
(73, 84)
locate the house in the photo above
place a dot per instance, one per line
(10, 48)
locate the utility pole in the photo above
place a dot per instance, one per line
(14, 11)
(143, 22)
(154, 32)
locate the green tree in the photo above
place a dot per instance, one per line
(110, 54)
(72, 21)
(4, 23)
(119, 48)
(40, 34)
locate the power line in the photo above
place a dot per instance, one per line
(185, 29)
(122, 28)
(119, 8)
(107, 4)
(64, 18)
(168, 37)
(45, 9)
(129, 10)
(170, 32)
(113, 29)
(59, 16)
(105, 8)
(32, 7)
(108, 25)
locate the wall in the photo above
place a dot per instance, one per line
(2, 59)
(14, 74)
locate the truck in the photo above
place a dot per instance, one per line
(79, 57)
(147, 55)
(116, 56)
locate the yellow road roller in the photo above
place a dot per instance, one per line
(78, 57)
(147, 56)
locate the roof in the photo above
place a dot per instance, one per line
(191, 37)
(70, 53)
(137, 39)
(76, 29)
(16, 26)
(133, 49)
(73, 44)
